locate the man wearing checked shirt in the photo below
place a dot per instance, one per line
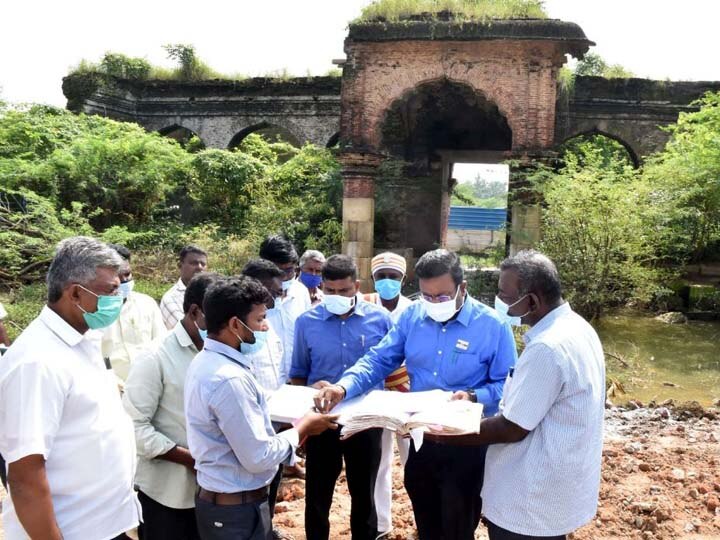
(450, 341)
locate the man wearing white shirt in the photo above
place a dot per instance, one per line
(295, 299)
(63, 431)
(542, 471)
(140, 322)
(154, 400)
(192, 260)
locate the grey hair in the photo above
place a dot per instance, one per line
(536, 273)
(311, 255)
(76, 261)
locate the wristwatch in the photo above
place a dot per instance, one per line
(471, 394)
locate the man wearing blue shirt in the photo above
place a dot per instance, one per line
(229, 433)
(329, 339)
(450, 341)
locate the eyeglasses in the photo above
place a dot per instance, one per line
(290, 271)
(439, 298)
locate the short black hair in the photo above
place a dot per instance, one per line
(121, 250)
(339, 267)
(262, 269)
(437, 263)
(196, 289)
(191, 248)
(232, 297)
(278, 249)
(536, 274)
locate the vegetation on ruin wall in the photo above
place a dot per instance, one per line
(619, 234)
(64, 174)
(461, 10)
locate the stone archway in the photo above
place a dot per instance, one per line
(504, 74)
(422, 130)
(179, 133)
(631, 152)
(271, 132)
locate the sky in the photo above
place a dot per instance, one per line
(41, 40)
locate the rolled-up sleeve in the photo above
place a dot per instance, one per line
(504, 358)
(241, 417)
(32, 400)
(536, 384)
(143, 391)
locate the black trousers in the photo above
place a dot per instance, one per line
(444, 484)
(163, 523)
(498, 533)
(250, 521)
(3, 473)
(323, 463)
(273, 491)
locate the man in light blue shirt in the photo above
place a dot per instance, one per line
(229, 433)
(450, 341)
(329, 339)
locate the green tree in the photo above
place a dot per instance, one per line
(685, 179)
(595, 65)
(594, 227)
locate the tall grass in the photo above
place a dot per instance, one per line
(464, 10)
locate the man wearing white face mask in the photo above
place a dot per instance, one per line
(295, 299)
(329, 339)
(139, 324)
(449, 341)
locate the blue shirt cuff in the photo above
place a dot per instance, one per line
(351, 389)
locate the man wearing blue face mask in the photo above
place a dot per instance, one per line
(311, 263)
(449, 341)
(139, 324)
(68, 443)
(236, 450)
(153, 398)
(329, 339)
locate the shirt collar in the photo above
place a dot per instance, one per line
(220, 348)
(180, 286)
(544, 323)
(60, 327)
(360, 308)
(182, 336)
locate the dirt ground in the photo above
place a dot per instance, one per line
(660, 480)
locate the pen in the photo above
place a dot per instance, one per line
(362, 340)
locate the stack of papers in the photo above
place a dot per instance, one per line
(407, 413)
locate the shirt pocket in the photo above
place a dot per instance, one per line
(463, 369)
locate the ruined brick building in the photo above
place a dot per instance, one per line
(428, 92)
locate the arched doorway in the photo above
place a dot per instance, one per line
(182, 135)
(270, 132)
(428, 130)
(611, 146)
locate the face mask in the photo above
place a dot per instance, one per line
(287, 284)
(126, 288)
(271, 312)
(502, 308)
(310, 281)
(203, 333)
(260, 341)
(441, 311)
(338, 305)
(388, 288)
(108, 310)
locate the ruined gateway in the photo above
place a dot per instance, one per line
(429, 92)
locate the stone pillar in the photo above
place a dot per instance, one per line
(359, 170)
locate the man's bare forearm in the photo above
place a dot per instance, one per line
(31, 498)
(179, 455)
(495, 430)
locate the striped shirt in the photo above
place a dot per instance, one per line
(171, 305)
(548, 483)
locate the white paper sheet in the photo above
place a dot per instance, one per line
(290, 402)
